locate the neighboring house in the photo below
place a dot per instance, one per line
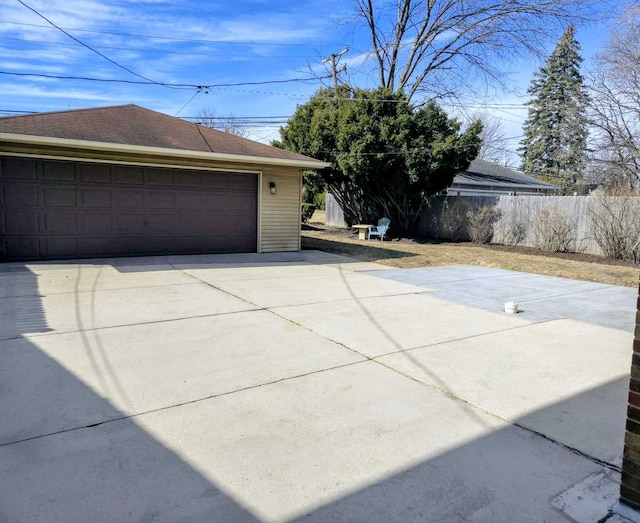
(124, 180)
(484, 178)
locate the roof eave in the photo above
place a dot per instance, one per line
(512, 186)
(462, 179)
(116, 148)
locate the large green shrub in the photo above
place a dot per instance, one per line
(387, 156)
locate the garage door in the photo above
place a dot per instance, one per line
(57, 209)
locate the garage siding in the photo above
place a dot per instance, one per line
(56, 209)
(281, 212)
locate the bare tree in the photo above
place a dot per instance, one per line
(481, 223)
(494, 142)
(615, 224)
(429, 46)
(615, 107)
(227, 124)
(554, 230)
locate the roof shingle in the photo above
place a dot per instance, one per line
(482, 172)
(134, 125)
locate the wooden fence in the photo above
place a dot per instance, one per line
(334, 216)
(445, 217)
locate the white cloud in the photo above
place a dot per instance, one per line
(26, 91)
(275, 54)
(79, 14)
(62, 57)
(47, 69)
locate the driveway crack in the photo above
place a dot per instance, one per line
(508, 421)
(178, 405)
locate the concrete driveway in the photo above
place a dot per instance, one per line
(278, 387)
(540, 298)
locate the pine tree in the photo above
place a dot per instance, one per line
(555, 132)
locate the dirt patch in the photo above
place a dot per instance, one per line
(411, 253)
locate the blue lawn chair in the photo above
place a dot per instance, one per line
(381, 229)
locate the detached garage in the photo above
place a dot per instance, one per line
(119, 181)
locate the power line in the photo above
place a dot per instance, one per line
(188, 102)
(269, 93)
(484, 105)
(16, 112)
(306, 96)
(89, 47)
(248, 120)
(237, 117)
(90, 79)
(225, 86)
(244, 123)
(248, 123)
(163, 84)
(390, 153)
(244, 120)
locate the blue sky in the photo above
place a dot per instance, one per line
(200, 43)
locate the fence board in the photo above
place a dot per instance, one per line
(334, 216)
(439, 218)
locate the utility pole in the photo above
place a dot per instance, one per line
(334, 70)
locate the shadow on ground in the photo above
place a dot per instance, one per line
(512, 474)
(362, 252)
(113, 470)
(327, 253)
(109, 470)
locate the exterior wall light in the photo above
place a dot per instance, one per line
(272, 187)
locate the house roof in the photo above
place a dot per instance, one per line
(131, 125)
(484, 173)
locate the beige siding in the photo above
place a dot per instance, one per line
(280, 228)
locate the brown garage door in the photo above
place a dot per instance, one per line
(58, 209)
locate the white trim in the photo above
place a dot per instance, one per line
(259, 233)
(121, 162)
(300, 185)
(626, 512)
(159, 151)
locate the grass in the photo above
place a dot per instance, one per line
(411, 253)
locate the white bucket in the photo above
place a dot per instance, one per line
(511, 307)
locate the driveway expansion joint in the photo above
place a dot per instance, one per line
(366, 358)
(446, 392)
(606, 518)
(28, 335)
(574, 450)
(513, 423)
(209, 284)
(470, 337)
(181, 404)
(341, 300)
(100, 290)
(551, 296)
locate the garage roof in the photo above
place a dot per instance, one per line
(482, 171)
(134, 126)
(482, 174)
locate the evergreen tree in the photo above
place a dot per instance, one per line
(555, 131)
(386, 155)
